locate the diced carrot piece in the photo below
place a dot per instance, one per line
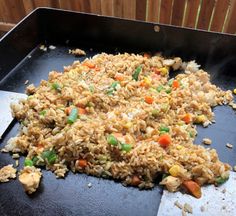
(97, 69)
(119, 77)
(147, 55)
(187, 118)
(143, 84)
(68, 110)
(82, 111)
(175, 84)
(82, 163)
(193, 188)
(149, 99)
(89, 65)
(135, 180)
(164, 140)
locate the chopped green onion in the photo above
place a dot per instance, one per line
(43, 112)
(159, 88)
(170, 82)
(126, 147)
(73, 116)
(164, 129)
(136, 73)
(112, 88)
(168, 91)
(191, 134)
(155, 113)
(56, 86)
(24, 123)
(36, 161)
(91, 89)
(50, 156)
(114, 84)
(110, 91)
(112, 140)
(28, 162)
(220, 180)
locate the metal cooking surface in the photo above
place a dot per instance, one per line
(105, 197)
(71, 196)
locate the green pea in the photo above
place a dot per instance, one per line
(112, 140)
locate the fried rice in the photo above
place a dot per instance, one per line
(122, 117)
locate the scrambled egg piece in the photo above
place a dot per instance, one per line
(7, 172)
(30, 178)
(171, 183)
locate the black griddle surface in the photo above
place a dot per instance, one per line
(71, 196)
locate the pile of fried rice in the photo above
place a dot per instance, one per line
(122, 117)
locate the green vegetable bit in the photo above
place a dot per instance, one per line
(159, 88)
(110, 91)
(28, 162)
(114, 84)
(91, 89)
(24, 123)
(73, 116)
(170, 82)
(112, 140)
(36, 161)
(155, 113)
(164, 129)
(49, 156)
(220, 180)
(56, 86)
(137, 72)
(191, 134)
(112, 88)
(168, 91)
(43, 113)
(126, 147)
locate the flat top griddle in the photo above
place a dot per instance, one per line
(21, 59)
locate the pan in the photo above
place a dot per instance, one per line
(22, 59)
